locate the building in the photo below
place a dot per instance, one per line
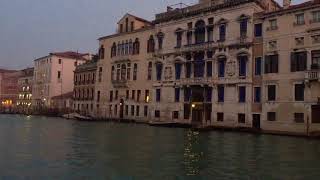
(24, 96)
(53, 76)
(84, 87)
(8, 89)
(216, 63)
(290, 88)
(62, 104)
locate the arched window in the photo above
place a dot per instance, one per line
(135, 71)
(112, 73)
(114, 50)
(221, 66)
(200, 31)
(122, 48)
(123, 72)
(151, 44)
(128, 71)
(242, 64)
(160, 37)
(130, 46)
(136, 46)
(179, 32)
(119, 49)
(127, 47)
(101, 52)
(149, 70)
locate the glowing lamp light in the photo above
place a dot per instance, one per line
(147, 99)
(193, 105)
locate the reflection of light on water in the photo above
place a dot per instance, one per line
(192, 154)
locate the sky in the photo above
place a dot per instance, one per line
(30, 29)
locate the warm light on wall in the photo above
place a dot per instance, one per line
(147, 99)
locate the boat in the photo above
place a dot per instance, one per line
(82, 118)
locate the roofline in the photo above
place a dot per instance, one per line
(136, 17)
(125, 33)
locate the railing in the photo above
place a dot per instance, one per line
(198, 46)
(312, 75)
(200, 80)
(120, 83)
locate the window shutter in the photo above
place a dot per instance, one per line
(304, 60)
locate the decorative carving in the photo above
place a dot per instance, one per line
(231, 68)
(168, 73)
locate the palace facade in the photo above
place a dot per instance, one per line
(221, 63)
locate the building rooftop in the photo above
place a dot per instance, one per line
(70, 54)
(64, 96)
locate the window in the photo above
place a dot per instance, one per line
(132, 110)
(135, 71)
(100, 74)
(299, 92)
(243, 27)
(121, 28)
(271, 116)
(138, 95)
(273, 24)
(126, 110)
(117, 93)
(158, 95)
(179, 39)
(111, 96)
(145, 111)
(257, 94)
(200, 31)
(242, 94)
(315, 16)
(159, 71)
(157, 113)
(132, 26)
(127, 94)
(98, 96)
(209, 68)
(138, 111)
(160, 37)
(178, 70)
(187, 94)
(241, 118)
(59, 61)
(123, 71)
(271, 64)
(221, 66)
(299, 19)
(176, 94)
(208, 92)
(128, 71)
(136, 47)
(299, 117)
(298, 61)
(151, 44)
(175, 115)
(149, 70)
(188, 70)
(186, 111)
(271, 92)
(133, 94)
(220, 117)
(210, 34)
(220, 93)
(258, 30)
(59, 74)
(115, 109)
(315, 61)
(208, 111)
(101, 52)
(222, 32)
(146, 96)
(114, 50)
(258, 66)
(242, 60)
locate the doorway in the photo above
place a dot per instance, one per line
(256, 124)
(315, 113)
(121, 108)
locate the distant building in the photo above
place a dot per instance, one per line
(84, 87)
(24, 96)
(8, 89)
(53, 76)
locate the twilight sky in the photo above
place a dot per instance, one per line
(31, 29)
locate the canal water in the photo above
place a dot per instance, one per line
(52, 148)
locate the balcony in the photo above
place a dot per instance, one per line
(120, 83)
(198, 46)
(196, 81)
(312, 75)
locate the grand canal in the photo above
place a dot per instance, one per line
(53, 148)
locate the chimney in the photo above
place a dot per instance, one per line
(286, 4)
